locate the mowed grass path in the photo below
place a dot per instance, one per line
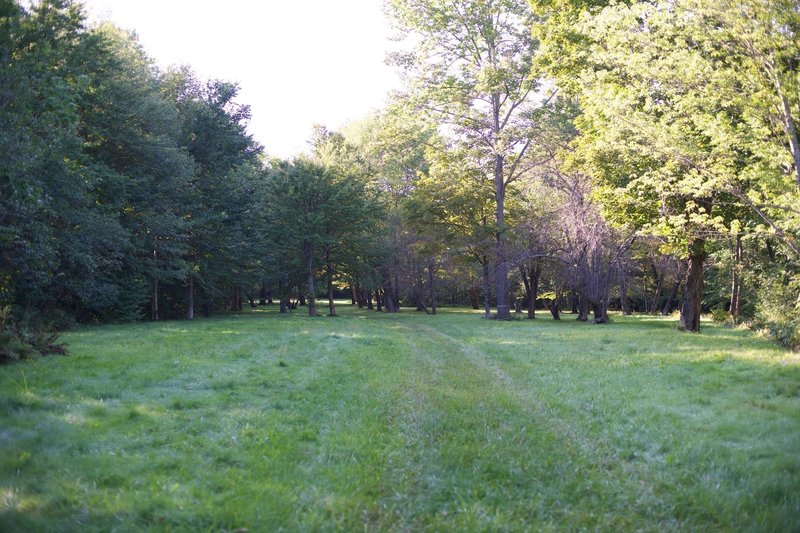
(402, 422)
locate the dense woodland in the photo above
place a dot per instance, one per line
(564, 157)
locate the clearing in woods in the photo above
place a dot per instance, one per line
(409, 422)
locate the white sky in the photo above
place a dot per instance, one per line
(298, 62)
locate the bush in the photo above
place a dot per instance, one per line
(778, 312)
(22, 339)
(720, 315)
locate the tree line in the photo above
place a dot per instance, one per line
(559, 155)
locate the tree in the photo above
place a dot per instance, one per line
(472, 71)
(311, 210)
(132, 139)
(393, 145)
(668, 125)
(452, 204)
(213, 132)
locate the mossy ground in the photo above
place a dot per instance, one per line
(402, 422)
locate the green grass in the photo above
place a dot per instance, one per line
(402, 422)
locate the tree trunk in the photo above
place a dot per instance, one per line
(251, 297)
(487, 289)
(358, 294)
(736, 275)
(396, 290)
(624, 303)
(527, 284)
(788, 121)
(190, 299)
(672, 295)
(501, 267)
(391, 304)
(555, 308)
(534, 274)
(583, 308)
(378, 301)
(574, 300)
(693, 297)
(308, 252)
(352, 295)
(329, 271)
(431, 287)
(473, 296)
(600, 311)
(282, 289)
(659, 277)
(154, 310)
(262, 295)
(154, 303)
(368, 298)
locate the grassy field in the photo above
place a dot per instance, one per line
(405, 422)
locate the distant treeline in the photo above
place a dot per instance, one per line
(585, 156)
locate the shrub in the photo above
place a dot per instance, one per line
(719, 314)
(778, 311)
(22, 339)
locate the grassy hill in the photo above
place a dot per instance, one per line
(408, 422)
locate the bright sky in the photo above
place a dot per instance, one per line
(298, 62)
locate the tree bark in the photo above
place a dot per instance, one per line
(693, 297)
(190, 299)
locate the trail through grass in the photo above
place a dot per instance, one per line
(402, 422)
